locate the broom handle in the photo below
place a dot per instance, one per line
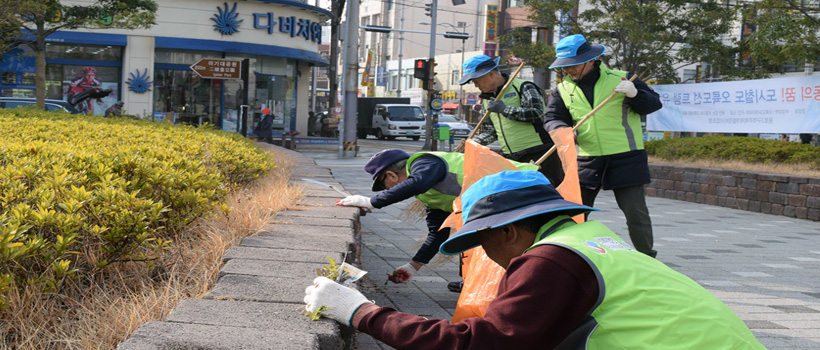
(583, 120)
(487, 113)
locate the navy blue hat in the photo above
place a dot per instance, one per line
(477, 66)
(380, 161)
(575, 49)
(499, 199)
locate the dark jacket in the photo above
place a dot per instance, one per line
(615, 170)
(264, 128)
(426, 172)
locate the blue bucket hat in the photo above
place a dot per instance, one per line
(380, 161)
(502, 198)
(575, 49)
(477, 66)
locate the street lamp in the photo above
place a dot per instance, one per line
(458, 34)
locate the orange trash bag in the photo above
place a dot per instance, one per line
(482, 275)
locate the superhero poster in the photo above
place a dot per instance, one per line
(80, 79)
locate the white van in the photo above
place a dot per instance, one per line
(398, 120)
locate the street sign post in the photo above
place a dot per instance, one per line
(217, 68)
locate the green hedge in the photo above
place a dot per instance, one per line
(744, 149)
(80, 193)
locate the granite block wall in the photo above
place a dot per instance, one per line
(792, 196)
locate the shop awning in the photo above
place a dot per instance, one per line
(450, 106)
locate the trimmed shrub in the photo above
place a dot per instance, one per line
(744, 149)
(80, 193)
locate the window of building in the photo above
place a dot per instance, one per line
(188, 57)
(454, 76)
(689, 75)
(84, 51)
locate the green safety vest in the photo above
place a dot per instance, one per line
(513, 135)
(442, 194)
(642, 303)
(615, 128)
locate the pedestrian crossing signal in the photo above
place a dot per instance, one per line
(422, 70)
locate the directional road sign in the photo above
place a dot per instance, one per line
(217, 68)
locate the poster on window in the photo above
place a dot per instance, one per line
(83, 86)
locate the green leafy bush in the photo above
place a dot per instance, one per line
(744, 149)
(80, 193)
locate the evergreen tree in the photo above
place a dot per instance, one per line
(649, 38)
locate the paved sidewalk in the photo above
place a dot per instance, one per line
(764, 267)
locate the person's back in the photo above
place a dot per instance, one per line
(264, 129)
(644, 303)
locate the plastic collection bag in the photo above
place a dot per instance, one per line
(482, 275)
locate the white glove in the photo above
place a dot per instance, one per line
(408, 270)
(627, 87)
(356, 201)
(341, 302)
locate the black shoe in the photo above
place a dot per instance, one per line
(455, 287)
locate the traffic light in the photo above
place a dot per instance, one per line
(428, 9)
(429, 83)
(421, 70)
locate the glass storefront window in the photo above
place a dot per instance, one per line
(273, 85)
(84, 51)
(186, 98)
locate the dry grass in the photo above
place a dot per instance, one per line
(107, 310)
(784, 169)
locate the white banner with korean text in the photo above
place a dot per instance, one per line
(781, 105)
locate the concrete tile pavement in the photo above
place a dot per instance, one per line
(764, 267)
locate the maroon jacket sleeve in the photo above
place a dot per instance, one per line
(541, 298)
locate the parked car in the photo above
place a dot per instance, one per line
(459, 128)
(51, 105)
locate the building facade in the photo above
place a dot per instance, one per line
(152, 70)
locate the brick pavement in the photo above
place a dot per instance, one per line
(764, 267)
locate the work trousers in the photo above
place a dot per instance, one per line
(632, 202)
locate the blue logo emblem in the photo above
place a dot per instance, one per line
(139, 83)
(226, 22)
(509, 95)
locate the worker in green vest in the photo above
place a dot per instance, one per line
(515, 119)
(566, 285)
(434, 178)
(610, 143)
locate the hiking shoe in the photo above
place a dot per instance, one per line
(455, 287)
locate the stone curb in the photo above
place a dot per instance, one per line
(257, 302)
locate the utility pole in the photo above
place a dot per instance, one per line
(313, 85)
(429, 144)
(401, 46)
(337, 7)
(348, 138)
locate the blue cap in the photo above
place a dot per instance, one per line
(575, 49)
(477, 66)
(380, 161)
(502, 198)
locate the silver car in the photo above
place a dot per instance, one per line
(459, 128)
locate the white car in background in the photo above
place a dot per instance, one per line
(459, 128)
